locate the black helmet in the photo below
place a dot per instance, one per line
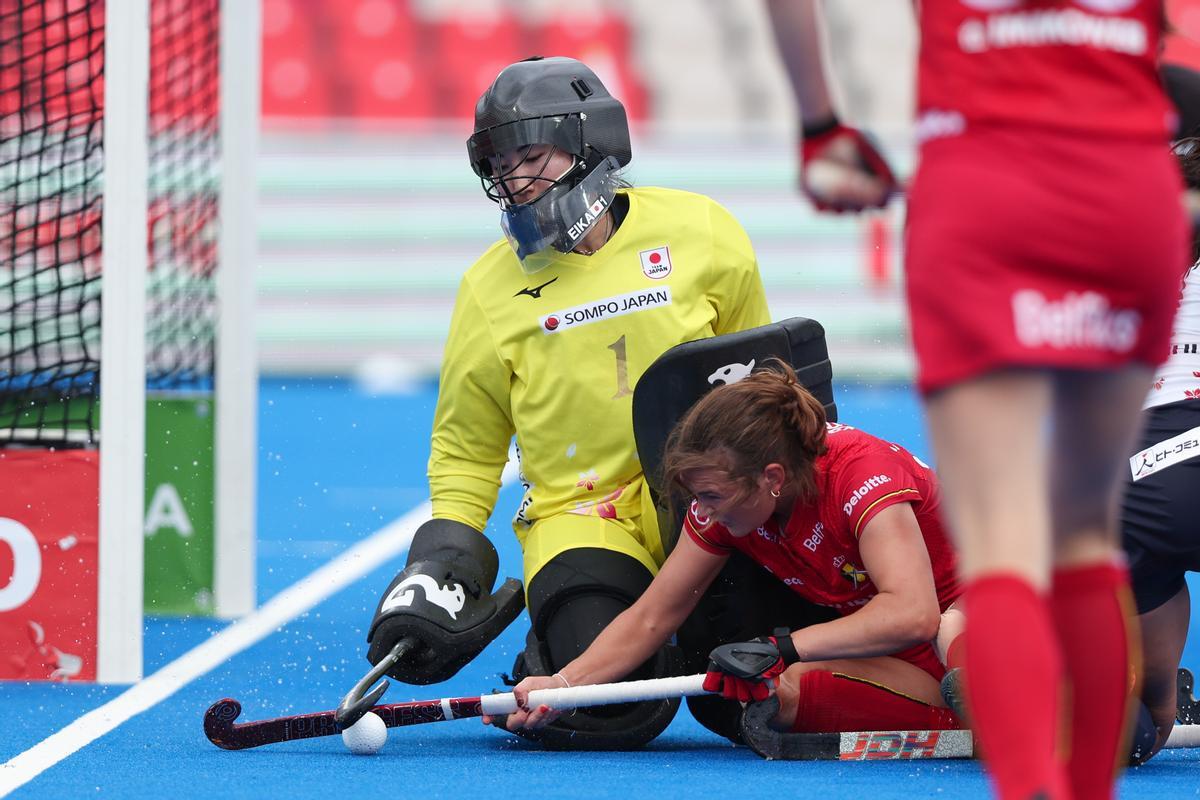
(559, 102)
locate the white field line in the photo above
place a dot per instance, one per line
(322, 583)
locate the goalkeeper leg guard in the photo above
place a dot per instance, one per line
(571, 599)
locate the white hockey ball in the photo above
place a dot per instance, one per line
(365, 737)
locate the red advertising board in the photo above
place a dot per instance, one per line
(49, 564)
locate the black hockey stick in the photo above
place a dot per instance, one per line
(223, 731)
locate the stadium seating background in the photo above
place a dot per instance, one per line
(370, 213)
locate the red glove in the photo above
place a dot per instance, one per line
(841, 170)
(743, 671)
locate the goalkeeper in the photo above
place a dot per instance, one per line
(842, 518)
(551, 330)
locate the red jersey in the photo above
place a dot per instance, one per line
(817, 554)
(1077, 65)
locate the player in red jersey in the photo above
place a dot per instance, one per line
(1043, 244)
(844, 519)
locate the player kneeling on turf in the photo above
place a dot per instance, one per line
(842, 518)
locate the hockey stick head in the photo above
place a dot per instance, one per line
(218, 723)
(358, 701)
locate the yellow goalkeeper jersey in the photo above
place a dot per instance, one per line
(553, 357)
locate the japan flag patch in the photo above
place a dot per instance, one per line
(656, 263)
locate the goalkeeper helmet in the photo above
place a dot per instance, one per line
(531, 107)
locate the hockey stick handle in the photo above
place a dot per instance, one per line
(224, 732)
(1183, 737)
(598, 694)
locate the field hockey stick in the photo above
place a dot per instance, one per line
(222, 731)
(888, 745)
(362, 698)
(903, 745)
(879, 745)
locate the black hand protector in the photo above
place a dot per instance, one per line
(745, 660)
(443, 599)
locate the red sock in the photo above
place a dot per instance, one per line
(1093, 610)
(1013, 672)
(830, 701)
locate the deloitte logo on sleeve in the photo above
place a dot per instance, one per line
(862, 491)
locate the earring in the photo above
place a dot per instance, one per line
(775, 493)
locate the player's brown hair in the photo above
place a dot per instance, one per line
(739, 428)
(1187, 151)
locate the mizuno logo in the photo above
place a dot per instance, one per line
(449, 598)
(536, 291)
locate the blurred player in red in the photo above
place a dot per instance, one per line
(1045, 234)
(844, 519)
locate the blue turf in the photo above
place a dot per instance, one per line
(335, 465)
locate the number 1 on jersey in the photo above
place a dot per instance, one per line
(618, 347)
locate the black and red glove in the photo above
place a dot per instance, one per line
(842, 170)
(743, 671)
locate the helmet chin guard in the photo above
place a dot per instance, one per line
(558, 219)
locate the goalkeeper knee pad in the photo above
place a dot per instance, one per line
(571, 599)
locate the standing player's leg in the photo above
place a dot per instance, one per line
(1164, 633)
(1096, 418)
(988, 438)
(1159, 537)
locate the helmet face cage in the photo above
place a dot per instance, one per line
(514, 142)
(500, 185)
